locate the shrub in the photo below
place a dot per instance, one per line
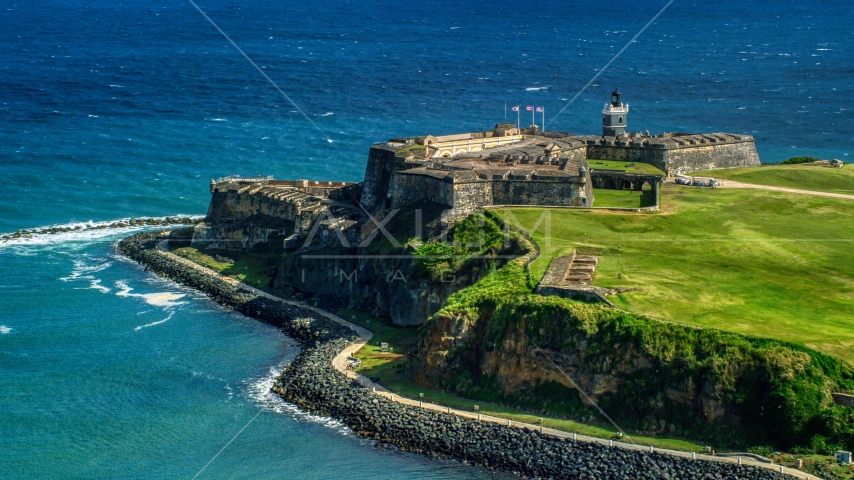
(799, 160)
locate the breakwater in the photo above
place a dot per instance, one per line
(83, 227)
(313, 384)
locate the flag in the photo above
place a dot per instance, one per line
(515, 109)
(529, 108)
(539, 109)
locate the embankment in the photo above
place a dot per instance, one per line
(312, 383)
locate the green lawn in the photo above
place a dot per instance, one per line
(622, 198)
(630, 167)
(253, 268)
(823, 179)
(754, 262)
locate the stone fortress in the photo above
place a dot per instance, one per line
(464, 173)
(512, 166)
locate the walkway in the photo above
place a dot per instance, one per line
(732, 184)
(340, 364)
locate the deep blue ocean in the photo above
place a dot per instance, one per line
(120, 109)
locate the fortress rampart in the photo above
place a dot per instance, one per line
(244, 212)
(679, 153)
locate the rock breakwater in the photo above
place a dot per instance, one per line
(313, 384)
(82, 227)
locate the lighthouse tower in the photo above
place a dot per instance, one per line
(614, 116)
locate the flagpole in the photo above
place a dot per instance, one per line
(518, 113)
(544, 119)
(505, 110)
(533, 122)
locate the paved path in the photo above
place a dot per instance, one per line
(364, 335)
(732, 184)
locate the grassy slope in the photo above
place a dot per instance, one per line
(761, 263)
(823, 179)
(617, 165)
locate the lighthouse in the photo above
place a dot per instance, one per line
(614, 116)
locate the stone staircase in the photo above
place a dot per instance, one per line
(571, 270)
(572, 276)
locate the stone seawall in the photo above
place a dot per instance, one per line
(312, 383)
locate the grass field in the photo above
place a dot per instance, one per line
(622, 198)
(630, 167)
(253, 268)
(823, 179)
(753, 262)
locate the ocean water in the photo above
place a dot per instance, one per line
(112, 109)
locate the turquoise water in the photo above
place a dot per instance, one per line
(110, 372)
(116, 109)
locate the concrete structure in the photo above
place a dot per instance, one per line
(843, 457)
(571, 276)
(844, 399)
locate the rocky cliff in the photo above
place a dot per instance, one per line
(561, 356)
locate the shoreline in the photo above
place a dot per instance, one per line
(317, 381)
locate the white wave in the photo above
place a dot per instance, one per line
(136, 329)
(4, 329)
(84, 271)
(326, 114)
(534, 89)
(218, 119)
(159, 299)
(117, 86)
(96, 285)
(94, 116)
(81, 232)
(259, 390)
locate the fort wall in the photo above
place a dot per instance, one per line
(533, 192)
(406, 188)
(378, 174)
(680, 153)
(709, 157)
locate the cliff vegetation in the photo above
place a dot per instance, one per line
(498, 341)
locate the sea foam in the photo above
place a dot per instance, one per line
(259, 390)
(158, 299)
(136, 329)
